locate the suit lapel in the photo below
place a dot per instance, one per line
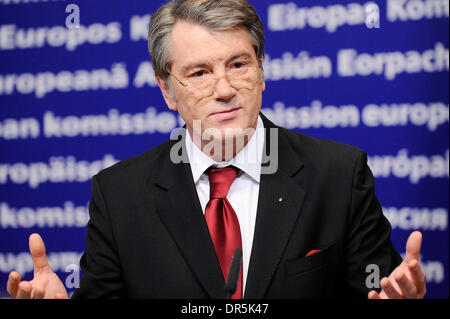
(179, 208)
(279, 205)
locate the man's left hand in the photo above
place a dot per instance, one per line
(407, 281)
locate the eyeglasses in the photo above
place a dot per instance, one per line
(202, 84)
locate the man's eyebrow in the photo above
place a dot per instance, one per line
(193, 65)
(241, 54)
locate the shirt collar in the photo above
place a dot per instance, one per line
(247, 160)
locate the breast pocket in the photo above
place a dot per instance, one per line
(301, 265)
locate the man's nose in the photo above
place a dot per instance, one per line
(223, 89)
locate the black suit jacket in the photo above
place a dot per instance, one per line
(147, 236)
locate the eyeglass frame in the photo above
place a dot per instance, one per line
(185, 85)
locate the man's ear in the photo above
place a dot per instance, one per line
(167, 94)
(263, 81)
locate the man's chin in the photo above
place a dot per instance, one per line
(223, 143)
(227, 133)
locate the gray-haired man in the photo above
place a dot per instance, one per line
(158, 229)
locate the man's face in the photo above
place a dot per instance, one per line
(196, 51)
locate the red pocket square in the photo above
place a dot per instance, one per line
(312, 252)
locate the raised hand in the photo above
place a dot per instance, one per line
(407, 281)
(45, 284)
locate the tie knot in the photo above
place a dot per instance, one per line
(220, 180)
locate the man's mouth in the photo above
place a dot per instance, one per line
(226, 114)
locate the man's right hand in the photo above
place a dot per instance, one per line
(45, 284)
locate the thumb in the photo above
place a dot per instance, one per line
(37, 250)
(413, 246)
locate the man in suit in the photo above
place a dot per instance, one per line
(164, 224)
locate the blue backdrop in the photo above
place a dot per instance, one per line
(74, 100)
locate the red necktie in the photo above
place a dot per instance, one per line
(222, 221)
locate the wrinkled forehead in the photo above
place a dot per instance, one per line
(194, 43)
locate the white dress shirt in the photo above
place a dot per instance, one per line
(243, 193)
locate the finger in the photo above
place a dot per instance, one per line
(406, 285)
(389, 290)
(24, 291)
(38, 293)
(39, 286)
(418, 277)
(37, 250)
(13, 283)
(413, 246)
(373, 295)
